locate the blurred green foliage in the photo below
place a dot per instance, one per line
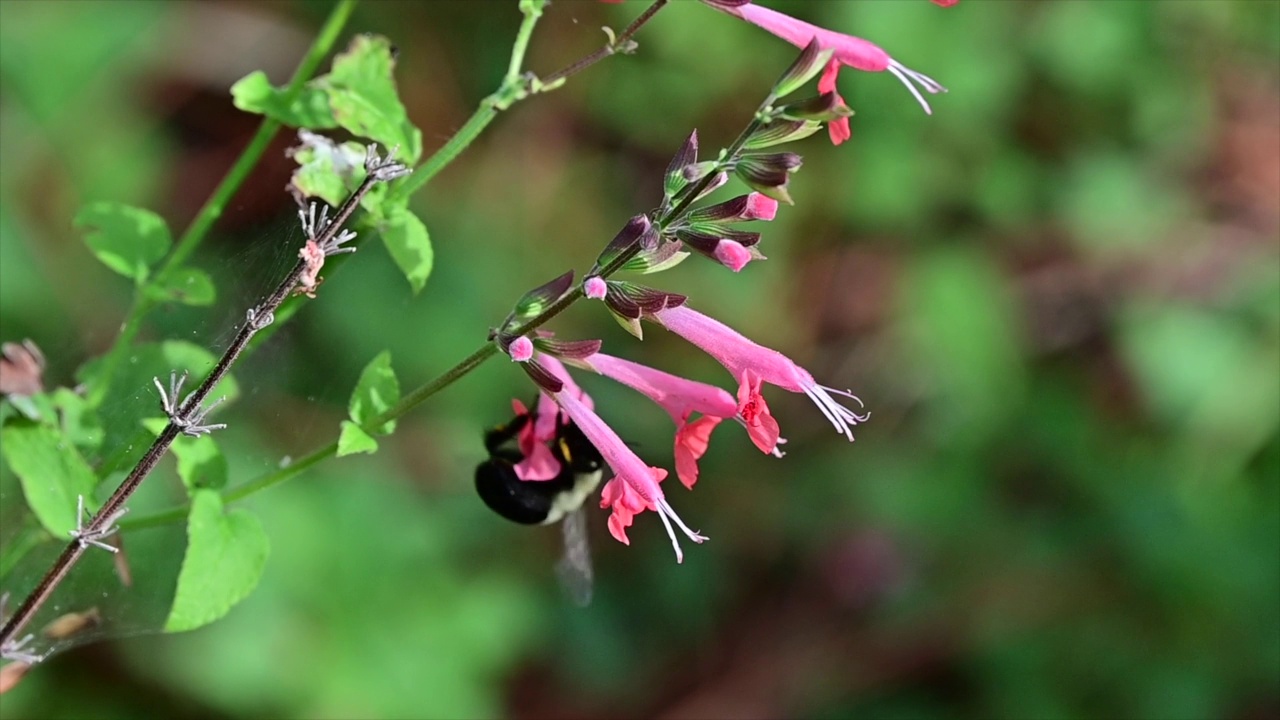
(1059, 297)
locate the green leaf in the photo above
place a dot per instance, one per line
(362, 94)
(79, 423)
(188, 286)
(407, 240)
(375, 393)
(226, 553)
(353, 440)
(201, 464)
(52, 473)
(126, 239)
(310, 109)
(327, 170)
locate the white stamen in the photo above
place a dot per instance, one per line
(694, 535)
(671, 534)
(849, 394)
(665, 511)
(906, 75)
(819, 398)
(841, 417)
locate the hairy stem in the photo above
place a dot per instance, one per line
(257, 318)
(217, 202)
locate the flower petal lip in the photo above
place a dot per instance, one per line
(838, 129)
(692, 441)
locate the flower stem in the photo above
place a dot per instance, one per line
(217, 202)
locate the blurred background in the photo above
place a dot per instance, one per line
(1059, 296)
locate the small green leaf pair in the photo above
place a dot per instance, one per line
(376, 392)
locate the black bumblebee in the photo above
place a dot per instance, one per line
(543, 502)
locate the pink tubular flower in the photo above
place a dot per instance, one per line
(945, 3)
(681, 398)
(754, 364)
(595, 288)
(635, 486)
(732, 254)
(760, 207)
(521, 349)
(539, 463)
(849, 50)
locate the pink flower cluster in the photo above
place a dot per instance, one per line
(696, 408)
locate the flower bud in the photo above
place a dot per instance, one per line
(822, 108)
(637, 230)
(675, 179)
(732, 255)
(537, 300)
(594, 288)
(769, 173)
(754, 206)
(810, 62)
(520, 349)
(780, 132)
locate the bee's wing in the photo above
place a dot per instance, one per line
(574, 569)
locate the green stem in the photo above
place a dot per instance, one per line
(439, 160)
(532, 10)
(508, 93)
(217, 202)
